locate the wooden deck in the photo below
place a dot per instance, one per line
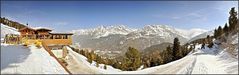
(52, 41)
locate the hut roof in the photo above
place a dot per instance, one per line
(61, 33)
(26, 28)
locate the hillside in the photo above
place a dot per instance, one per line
(8, 30)
(159, 47)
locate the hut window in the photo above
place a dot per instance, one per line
(64, 36)
(58, 37)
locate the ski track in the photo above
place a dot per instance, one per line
(207, 63)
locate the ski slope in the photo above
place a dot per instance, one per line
(202, 61)
(16, 59)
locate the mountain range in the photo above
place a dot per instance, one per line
(120, 37)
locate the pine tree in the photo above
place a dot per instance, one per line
(208, 39)
(169, 54)
(210, 45)
(1, 20)
(215, 33)
(220, 31)
(225, 29)
(232, 19)
(133, 59)
(176, 49)
(91, 56)
(184, 50)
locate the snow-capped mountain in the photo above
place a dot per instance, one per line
(202, 35)
(153, 30)
(103, 31)
(119, 38)
(189, 34)
(164, 30)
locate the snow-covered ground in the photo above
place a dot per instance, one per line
(202, 61)
(16, 59)
(75, 59)
(214, 61)
(7, 30)
(58, 53)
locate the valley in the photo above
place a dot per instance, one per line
(119, 37)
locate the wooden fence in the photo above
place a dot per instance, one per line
(49, 51)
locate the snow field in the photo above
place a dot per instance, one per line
(16, 59)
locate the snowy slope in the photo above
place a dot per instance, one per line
(17, 59)
(215, 61)
(84, 67)
(7, 30)
(202, 61)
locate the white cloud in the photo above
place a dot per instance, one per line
(191, 16)
(194, 14)
(62, 23)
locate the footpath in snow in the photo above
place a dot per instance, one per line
(16, 59)
(214, 61)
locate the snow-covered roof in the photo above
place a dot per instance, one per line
(38, 28)
(26, 28)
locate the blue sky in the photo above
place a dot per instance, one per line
(71, 15)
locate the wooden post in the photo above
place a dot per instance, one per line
(64, 52)
(61, 36)
(53, 36)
